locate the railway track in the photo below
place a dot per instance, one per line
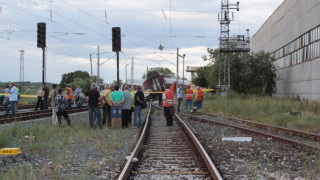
(24, 116)
(302, 139)
(269, 127)
(168, 153)
(242, 155)
(264, 156)
(23, 106)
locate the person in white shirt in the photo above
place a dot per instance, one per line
(13, 97)
(180, 96)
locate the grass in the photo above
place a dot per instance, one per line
(267, 110)
(63, 146)
(27, 100)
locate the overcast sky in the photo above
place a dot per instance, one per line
(76, 27)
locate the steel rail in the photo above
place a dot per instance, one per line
(26, 106)
(127, 168)
(211, 167)
(4, 116)
(36, 115)
(26, 113)
(293, 131)
(303, 145)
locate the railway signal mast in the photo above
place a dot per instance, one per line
(41, 43)
(227, 44)
(116, 46)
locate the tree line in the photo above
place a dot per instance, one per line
(250, 73)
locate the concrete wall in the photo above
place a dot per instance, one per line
(292, 19)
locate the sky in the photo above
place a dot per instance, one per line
(75, 29)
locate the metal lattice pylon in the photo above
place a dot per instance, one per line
(224, 19)
(21, 77)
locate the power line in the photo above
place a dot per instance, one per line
(69, 20)
(21, 27)
(164, 59)
(134, 11)
(85, 13)
(41, 18)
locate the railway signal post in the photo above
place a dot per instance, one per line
(116, 46)
(41, 43)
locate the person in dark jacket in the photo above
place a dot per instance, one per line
(138, 100)
(59, 100)
(93, 105)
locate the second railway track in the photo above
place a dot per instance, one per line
(34, 115)
(306, 140)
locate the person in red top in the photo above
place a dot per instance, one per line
(168, 102)
(198, 102)
(69, 96)
(173, 87)
(188, 98)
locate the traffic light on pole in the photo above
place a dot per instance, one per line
(41, 41)
(116, 39)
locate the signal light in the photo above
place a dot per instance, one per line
(116, 39)
(41, 40)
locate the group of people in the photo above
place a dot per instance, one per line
(168, 100)
(10, 96)
(116, 105)
(43, 95)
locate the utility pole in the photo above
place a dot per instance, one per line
(147, 72)
(21, 78)
(177, 68)
(178, 55)
(126, 72)
(132, 68)
(98, 70)
(183, 69)
(91, 64)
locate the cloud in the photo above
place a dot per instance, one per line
(75, 29)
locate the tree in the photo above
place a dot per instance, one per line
(85, 84)
(94, 79)
(115, 82)
(70, 77)
(167, 73)
(250, 73)
(200, 79)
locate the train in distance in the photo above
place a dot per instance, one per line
(155, 82)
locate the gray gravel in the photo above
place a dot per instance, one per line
(262, 158)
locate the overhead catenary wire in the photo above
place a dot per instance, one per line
(74, 45)
(54, 37)
(70, 20)
(95, 18)
(31, 43)
(129, 11)
(165, 59)
(133, 41)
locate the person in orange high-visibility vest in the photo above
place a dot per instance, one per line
(168, 102)
(198, 102)
(69, 96)
(188, 98)
(173, 87)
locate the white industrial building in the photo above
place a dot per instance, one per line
(292, 34)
